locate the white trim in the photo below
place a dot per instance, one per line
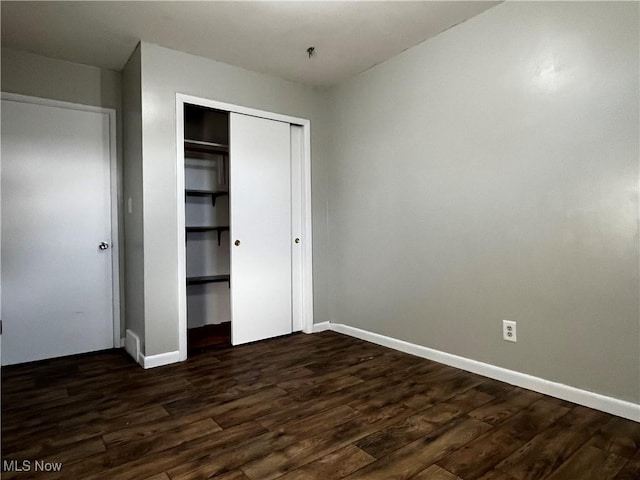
(15, 97)
(132, 345)
(114, 191)
(597, 401)
(321, 327)
(307, 234)
(307, 249)
(296, 139)
(182, 247)
(159, 360)
(115, 236)
(229, 107)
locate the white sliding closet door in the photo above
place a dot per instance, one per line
(260, 198)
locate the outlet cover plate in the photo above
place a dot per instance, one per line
(509, 332)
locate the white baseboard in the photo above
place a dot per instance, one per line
(321, 327)
(160, 359)
(132, 345)
(596, 401)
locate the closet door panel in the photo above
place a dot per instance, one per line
(260, 207)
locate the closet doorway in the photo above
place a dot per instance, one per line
(244, 224)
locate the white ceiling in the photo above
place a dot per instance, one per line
(268, 37)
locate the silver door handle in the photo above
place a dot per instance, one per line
(103, 246)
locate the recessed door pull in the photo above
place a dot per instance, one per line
(297, 240)
(237, 243)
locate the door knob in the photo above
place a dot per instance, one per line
(237, 243)
(103, 246)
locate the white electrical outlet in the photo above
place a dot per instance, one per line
(509, 332)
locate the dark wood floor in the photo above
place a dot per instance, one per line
(218, 335)
(321, 406)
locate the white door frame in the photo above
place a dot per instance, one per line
(305, 186)
(114, 191)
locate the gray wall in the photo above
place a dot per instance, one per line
(37, 76)
(164, 73)
(133, 220)
(491, 173)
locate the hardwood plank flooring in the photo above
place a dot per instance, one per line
(218, 335)
(300, 407)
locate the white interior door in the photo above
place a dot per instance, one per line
(56, 210)
(260, 197)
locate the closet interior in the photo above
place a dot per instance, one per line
(206, 174)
